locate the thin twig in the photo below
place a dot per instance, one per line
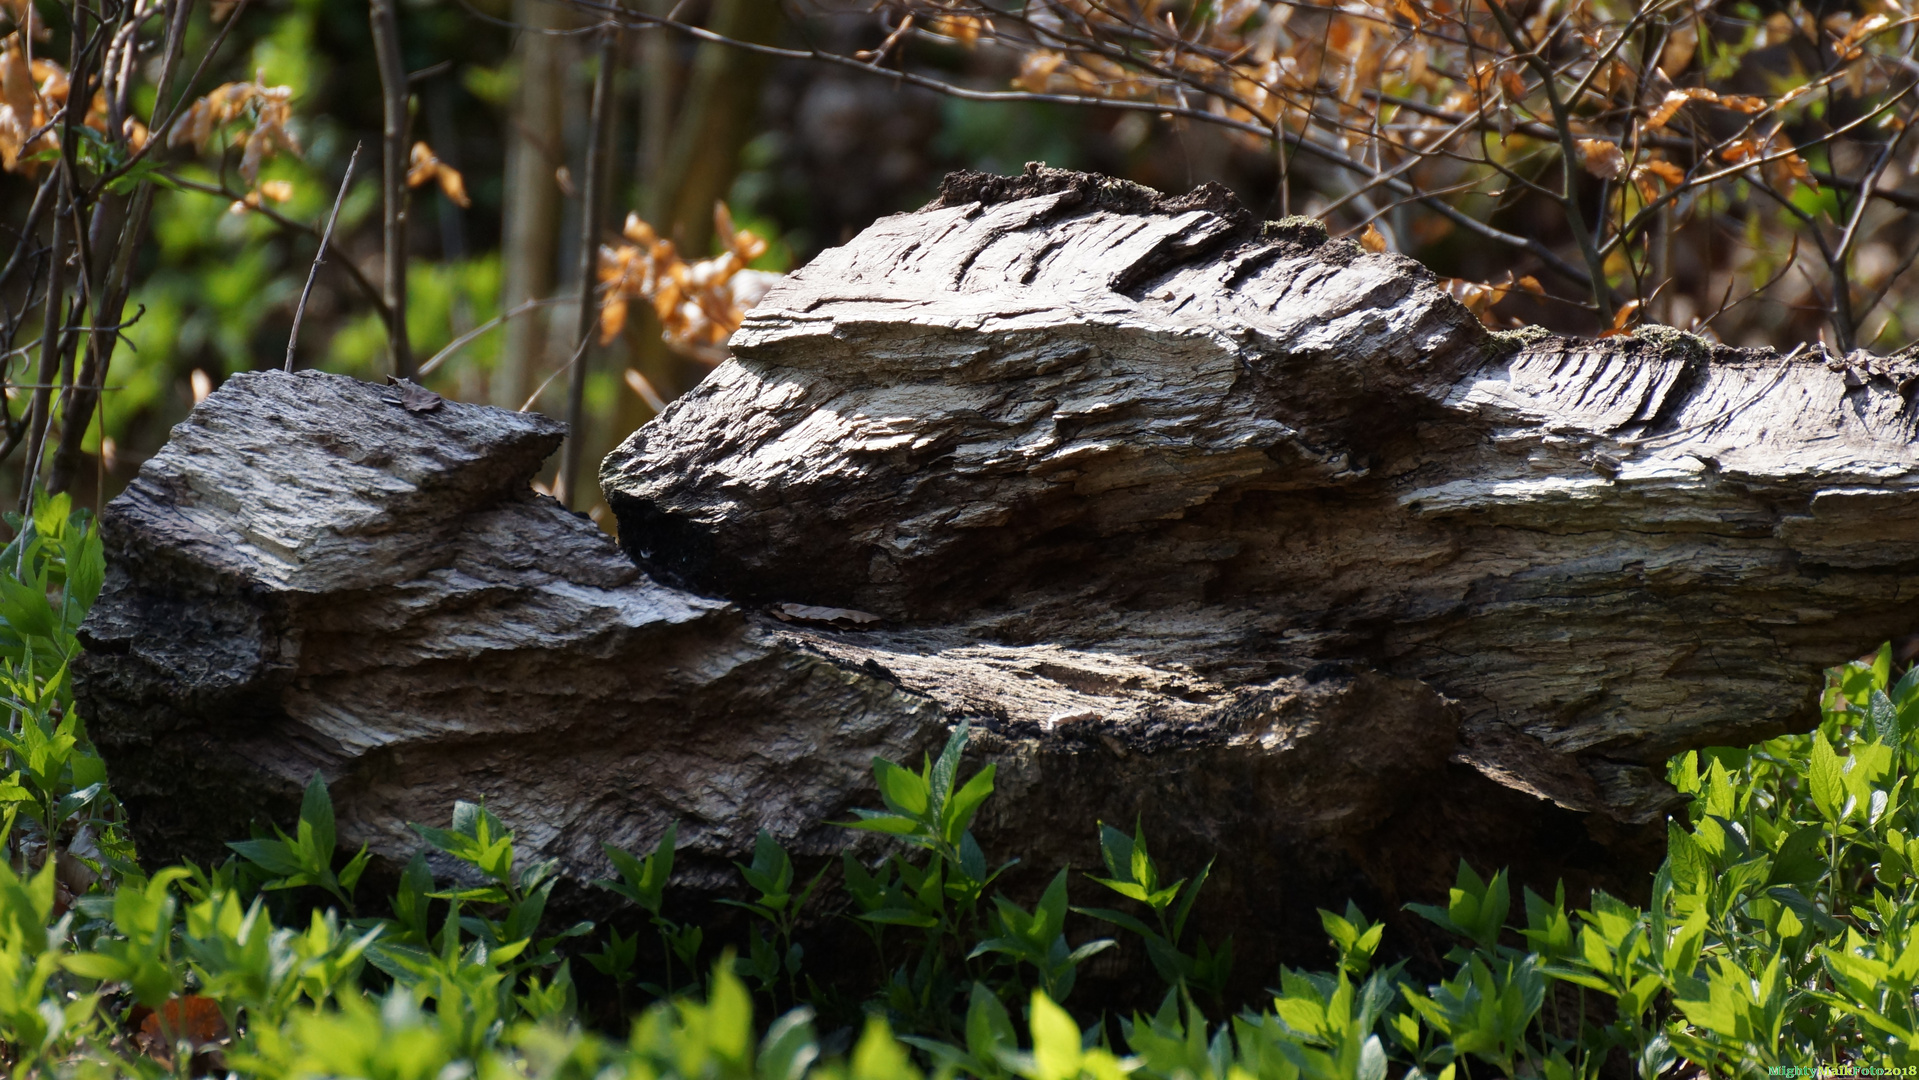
(393, 87)
(1551, 259)
(32, 223)
(156, 129)
(457, 343)
(592, 210)
(370, 290)
(40, 408)
(564, 368)
(293, 336)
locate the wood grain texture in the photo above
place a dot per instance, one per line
(1059, 409)
(1210, 523)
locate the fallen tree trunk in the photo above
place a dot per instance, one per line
(1219, 525)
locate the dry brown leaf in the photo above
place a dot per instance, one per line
(1680, 46)
(1371, 239)
(1788, 170)
(1850, 46)
(453, 185)
(696, 303)
(639, 231)
(16, 79)
(420, 165)
(23, 106)
(1673, 102)
(194, 1019)
(1668, 173)
(1477, 298)
(1664, 172)
(1739, 150)
(1036, 70)
(612, 318)
(269, 109)
(1601, 158)
(1622, 320)
(1794, 94)
(424, 166)
(964, 29)
(412, 396)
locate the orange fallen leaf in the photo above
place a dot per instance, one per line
(194, 1019)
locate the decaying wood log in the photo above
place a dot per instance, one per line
(1064, 410)
(1212, 523)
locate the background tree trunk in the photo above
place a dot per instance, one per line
(530, 247)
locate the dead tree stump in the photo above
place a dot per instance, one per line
(1213, 523)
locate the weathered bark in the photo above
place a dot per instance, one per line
(1063, 410)
(1219, 525)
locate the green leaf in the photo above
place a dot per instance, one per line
(789, 1048)
(26, 608)
(273, 856)
(903, 792)
(945, 773)
(1825, 778)
(1119, 919)
(891, 824)
(1800, 858)
(989, 1030)
(1807, 911)
(1186, 902)
(961, 808)
(316, 812)
(1056, 1042)
(1882, 719)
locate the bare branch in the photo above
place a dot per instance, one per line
(319, 256)
(393, 87)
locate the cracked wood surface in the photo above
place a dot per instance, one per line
(1211, 523)
(1064, 410)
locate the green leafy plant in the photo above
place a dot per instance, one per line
(643, 881)
(306, 858)
(1782, 928)
(770, 875)
(1132, 873)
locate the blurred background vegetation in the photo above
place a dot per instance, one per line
(805, 153)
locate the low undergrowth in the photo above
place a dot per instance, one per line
(1783, 930)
